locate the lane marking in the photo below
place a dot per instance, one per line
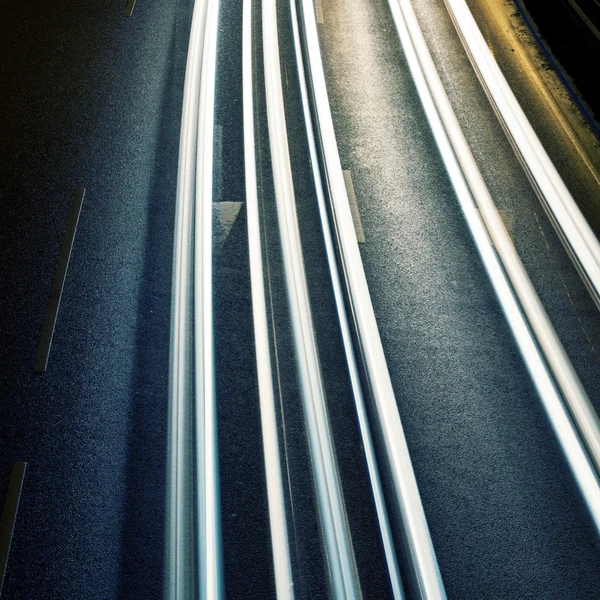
(129, 9)
(319, 12)
(224, 216)
(360, 234)
(9, 514)
(508, 219)
(41, 360)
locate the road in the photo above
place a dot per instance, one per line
(94, 100)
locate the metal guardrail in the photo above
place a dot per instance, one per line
(507, 274)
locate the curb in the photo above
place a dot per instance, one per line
(559, 71)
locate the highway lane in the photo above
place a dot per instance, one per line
(246, 538)
(90, 98)
(454, 365)
(565, 298)
(505, 515)
(513, 494)
(247, 563)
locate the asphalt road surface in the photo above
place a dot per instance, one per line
(93, 99)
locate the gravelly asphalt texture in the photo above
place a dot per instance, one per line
(505, 516)
(94, 100)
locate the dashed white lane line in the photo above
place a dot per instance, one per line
(9, 514)
(129, 8)
(41, 360)
(319, 12)
(360, 234)
(224, 216)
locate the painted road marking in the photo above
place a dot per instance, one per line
(129, 9)
(508, 218)
(41, 360)
(224, 216)
(360, 234)
(9, 514)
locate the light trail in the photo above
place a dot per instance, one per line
(472, 193)
(284, 583)
(332, 513)
(574, 231)
(423, 565)
(193, 562)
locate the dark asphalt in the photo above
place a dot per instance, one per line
(94, 100)
(90, 99)
(246, 538)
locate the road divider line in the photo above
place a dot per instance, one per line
(129, 8)
(9, 515)
(218, 162)
(224, 216)
(41, 360)
(360, 234)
